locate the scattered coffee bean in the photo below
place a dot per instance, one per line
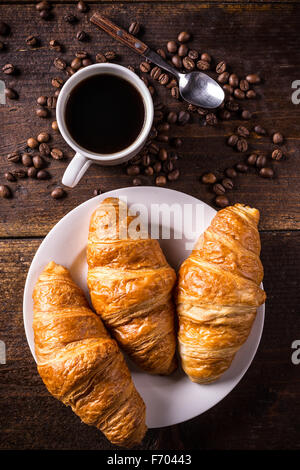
(41, 112)
(183, 117)
(211, 119)
(59, 63)
(58, 193)
(164, 127)
(45, 15)
(151, 90)
(242, 145)
(232, 105)
(11, 94)
(31, 41)
(223, 78)
(172, 47)
(4, 29)
(86, 62)
(137, 182)
(160, 180)
(228, 89)
(244, 85)
(44, 5)
(266, 172)
(44, 149)
(172, 117)
(188, 63)
(133, 170)
(174, 175)
(13, 157)
(163, 79)
(232, 140)
(100, 58)
(20, 173)
(162, 138)
(157, 167)
(163, 154)
(172, 84)
(32, 172)
(222, 201)
(277, 154)
(32, 142)
(70, 18)
(51, 102)
(261, 161)
(149, 171)
(145, 67)
(227, 183)
(242, 131)
(175, 92)
(54, 125)
(43, 175)
(82, 7)
(176, 142)
(206, 56)
(253, 78)
(239, 94)
(110, 55)
(81, 36)
(146, 160)
(218, 188)
(96, 192)
(42, 100)
(26, 159)
(57, 82)
(250, 94)
(9, 176)
(209, 178)
(241, 167)
(176, 61)
(224, 114)
(134, 28)
(203, 65)
(233, 80)
(5, 191)
(259, 130)
(221, 67)
(230, 172)
(162, 53)
(252, 159)
(193, 54)
(76, 63)
(8, 69)
(183, 50)
(184, 36)
(246, 114)
(277, 138)
(43, 137)
(57, 154)
(38, 162)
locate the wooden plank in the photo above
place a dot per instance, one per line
(263, 412)
(250, 37)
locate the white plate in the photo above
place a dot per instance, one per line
(169, 400)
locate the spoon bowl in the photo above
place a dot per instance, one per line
(201, 90)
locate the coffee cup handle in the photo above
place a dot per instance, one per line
(75, 170)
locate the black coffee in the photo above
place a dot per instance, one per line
(104, 113)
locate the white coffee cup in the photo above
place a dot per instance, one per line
(83, 157)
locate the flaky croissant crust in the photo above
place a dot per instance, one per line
(79, 362)
(218, 293)
(130, 284)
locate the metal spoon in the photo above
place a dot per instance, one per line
(195, 87)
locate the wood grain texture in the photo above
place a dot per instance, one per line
(262, 412)
(262, 38)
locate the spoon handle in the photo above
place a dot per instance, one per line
(119, 34)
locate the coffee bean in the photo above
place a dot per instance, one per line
(44, 149)
(110, 55)
(250, 94)
(183, 117)
(241, 167)
(232, 140)
(172, 117)
(218, 188)
(31, 41)
(45, 15)
(51, 102)
(146, 160)
(162, 53)
(163, 138)
(203, 65)
(174, 175)
(158, 115)
(163, 79)
(252, 159)
(86, 62)
(151, 90)
(277, 154)
(43, 175)
(43, 137)
(244, 85)
(32, 172)
(188, 63)
(211, 119)
(44, 5)
(81, 36)
(9, 176)
(172, 84)
(100, 58)
(32, 142)
(57, 82)
(11, 94)
(157, 167)
(205, 56)
(277, 138)
(137, 182)
(160, 180)
(184, 36)
(261, 161)
(8, 69)
(54, 125)
(70, 18)
(163, 154)
(20, 173)
(38, 162)
(5, 191)
(193, 54)
(221, 67)
(183, 50)
(76, 63)
(233, 80)
(172, 47)
(4, 29)
(134, 28)
(209, 178)
(175, 92)
(253, 78)
(57, 154)
(176, 142)
(58, 193)
(13, 157)
(168, 166)
(222, 201)
(41, 112)
(266, 172)
(227, 183)
(96, 192)
(242, 145)
(230, 172)
(177, 62)
(59, 63)
(246, 114)
(153, 148)
(42, 100)
(228, 89)
(259, 130)
(149, 171)
(133, 170)
(242, 131)
(223, 77)
(224, 114)
(239, 94)
(164, 127)
(26, 159)
(82, 7)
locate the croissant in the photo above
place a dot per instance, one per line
(80, 364)
(218, 293)
(130, 284)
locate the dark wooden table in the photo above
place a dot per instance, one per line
(263, 411)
